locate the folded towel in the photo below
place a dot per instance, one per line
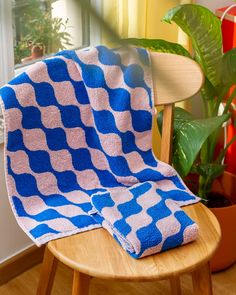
(76, 124)
(143, 219)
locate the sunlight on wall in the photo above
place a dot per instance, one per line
(70, 9)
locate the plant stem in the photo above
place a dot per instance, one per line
(223, 152)
(229, 101)
(202, 188)
(219, 99)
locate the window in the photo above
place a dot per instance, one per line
(34, 29)
(43, 27)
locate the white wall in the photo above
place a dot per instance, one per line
(12, 239)
(214, 4)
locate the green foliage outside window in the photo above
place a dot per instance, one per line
(38, 27)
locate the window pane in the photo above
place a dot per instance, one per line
(43, 27)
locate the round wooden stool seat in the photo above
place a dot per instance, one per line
(97, 254)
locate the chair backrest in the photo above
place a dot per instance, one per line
(175, 78)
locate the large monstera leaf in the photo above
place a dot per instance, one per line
(204, 29)
(159, 45)
(189, 136)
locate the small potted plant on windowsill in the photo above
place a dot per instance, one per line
(195, 140)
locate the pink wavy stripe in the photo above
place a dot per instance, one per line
(46, 183)
(38, 73)
(126, 180)
(172, 223)
(146, 201)
(139, 99)
(143, 140)
(28, 223)
(87, 179)
(111, 144)
(72, 69)
(34, 139)
(63, 90)
(166, 185)
(86, 115)
(60, 224)
(123, 121)
(19, 162)
(190, 233)
(13, 125)
(112, 213)
(139, 96)
(60, 161)
(89, 57)
(34, 205)
(99, 99)
(25, 94)
(173, 227)
(64, 93)
(113, 76)
(75, 138)
(166, 169)
(99, 160)
(77, 197)
(51, 117)
(135, 162)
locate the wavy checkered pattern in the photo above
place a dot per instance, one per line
(143, 219)
(76, 124)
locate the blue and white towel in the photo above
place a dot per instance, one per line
(77, 124)
(143, 219)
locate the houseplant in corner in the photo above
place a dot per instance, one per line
(195, 140)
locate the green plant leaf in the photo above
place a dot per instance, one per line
(228, 68)
(190, 137)
(210, 170)
(159, 46)
(208, 91)
(204, 29)
(181, 116)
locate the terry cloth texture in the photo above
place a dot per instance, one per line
(143, 219)
(76, 124)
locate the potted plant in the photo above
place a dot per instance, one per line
(195, 140)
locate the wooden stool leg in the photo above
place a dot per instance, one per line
(48, 270)
(175, 286)
(202, 284)
(80, 283)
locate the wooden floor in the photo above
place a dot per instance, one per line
(224, 283)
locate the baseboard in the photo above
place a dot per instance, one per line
(20, 263)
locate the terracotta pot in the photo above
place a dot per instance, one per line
(225, 255)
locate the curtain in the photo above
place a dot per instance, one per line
(142, 19)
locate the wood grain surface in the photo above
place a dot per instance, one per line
(224, 283)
